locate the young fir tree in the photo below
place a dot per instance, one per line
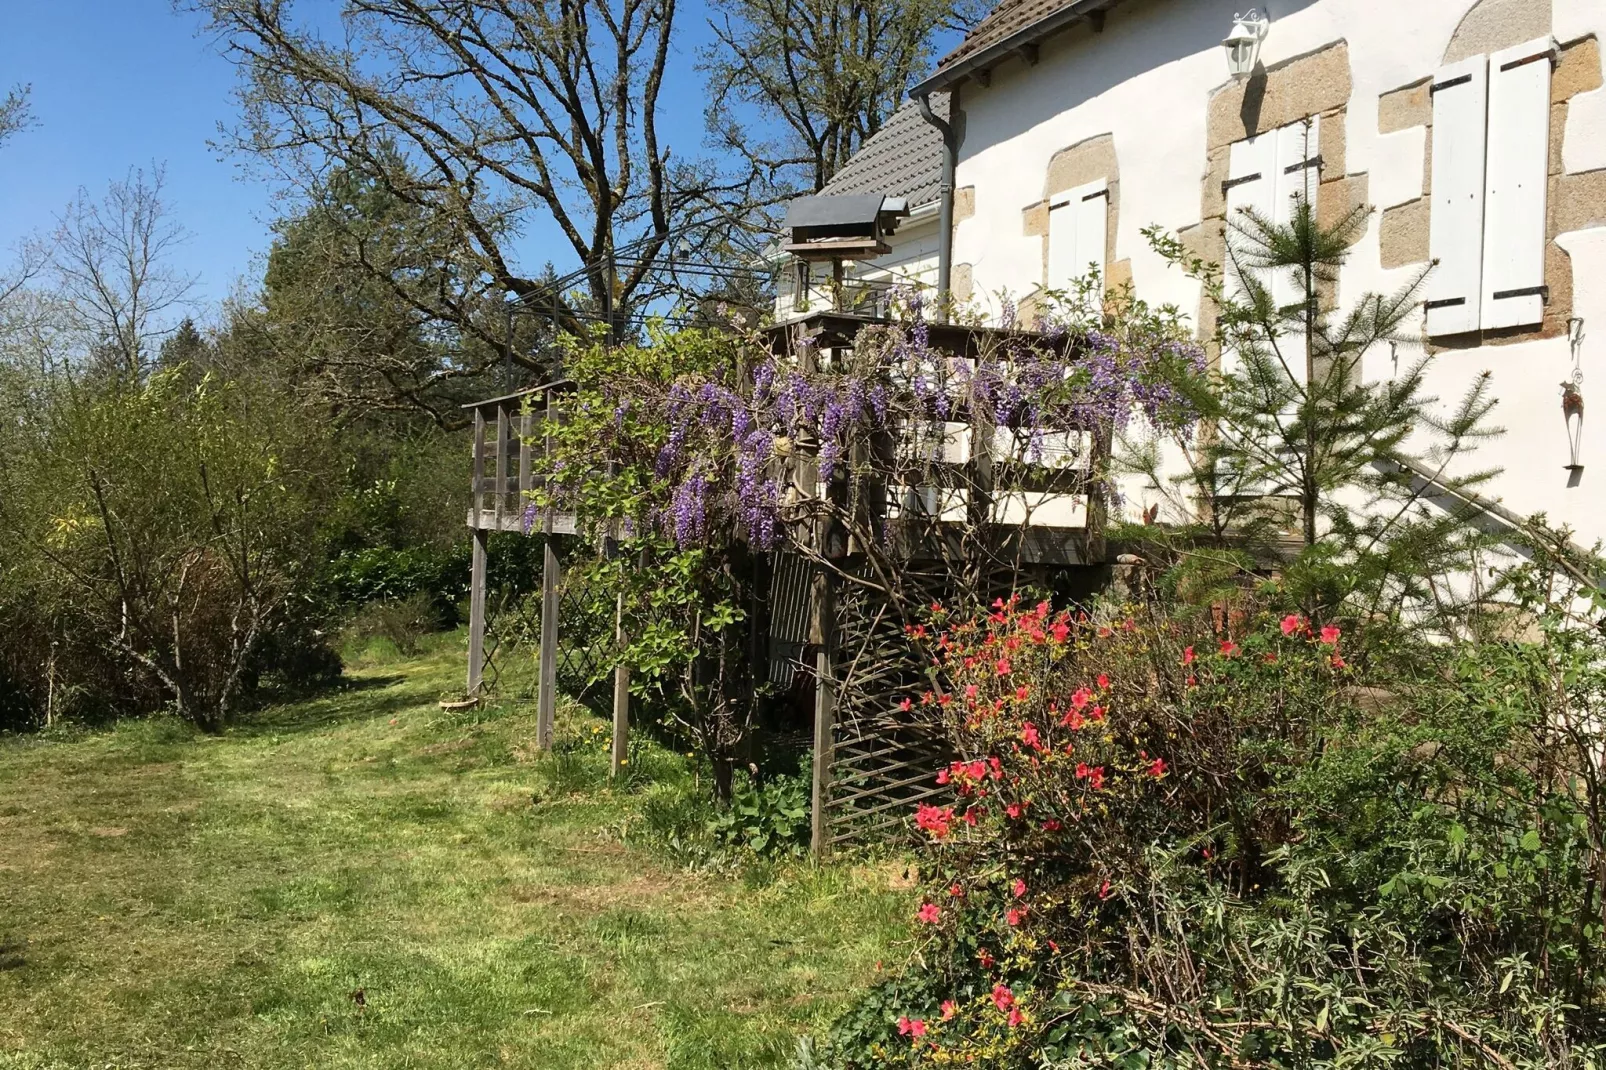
(1319, 449)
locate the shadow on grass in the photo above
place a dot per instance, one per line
(351, 699)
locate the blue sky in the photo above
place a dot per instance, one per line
(128, 83)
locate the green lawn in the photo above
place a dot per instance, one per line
(173, 900)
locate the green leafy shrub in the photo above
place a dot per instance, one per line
(1170, 845)
(768, 817)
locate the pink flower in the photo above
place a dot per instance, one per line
(1081, 697)
(1292, 623)
(1081, 770)
(1030, 736)
(1003, 998)
(1228, 648)
(1021, 692)
(1060, 631)
(929, 913)
(1338, 662)
(1097, 714)
(949, 1009)
(1187, 656)
(1193, 681)
(1157, 768)
(1015, 809)
(1019, 888)
(1096, 778)
(1104, 890)
(934, 819)
(1002, 667)
(906, 705)
(1104, 682)
(970, 691)
(1014, 915)
(1330, 634)
(911, 1027)
(1015, 1017)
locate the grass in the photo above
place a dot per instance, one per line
(169, 899)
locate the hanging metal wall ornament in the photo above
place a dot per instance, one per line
(1572, 400)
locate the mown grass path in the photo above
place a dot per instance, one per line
(173, 900)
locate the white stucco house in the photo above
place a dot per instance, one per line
(1475, 128)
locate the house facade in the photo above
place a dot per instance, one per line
(1476, 129)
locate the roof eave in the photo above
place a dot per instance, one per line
(992, 55)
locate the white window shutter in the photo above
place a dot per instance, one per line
(1298, 174)
(1078, 226)
(1514, 191)
(1251, 183)
(1092, 206)
(1061, 243)
(1455, 229)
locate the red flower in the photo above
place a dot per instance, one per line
(1015, 809)
(1104, 682)
(949, 1009)
(985, 957)
(934, 819)
(1060, 631)
(1338, 662)
(929, 913)
(1081, 697)
(1015, 1017)
(1187, 656)
(1021, 692)
(1293, 623)
(970, 817)
(1193, 681)
(956, 890)
(1271, 657)
(1228, 648)
(1019, 888)
(1330, 634)
(1157, 768)
(936, 607)
(906, 705)
(911, 1027)
(1104, 890)
(944, 700)
(1052, 825)
(1073, 720)
(1105, 633)
(1014, 916)
(1081, 770)
(920, 631)
(1003, 998)
(1097, 714)
(942, 776)
(1030, 737)
(1096, 778)
(1002, 667)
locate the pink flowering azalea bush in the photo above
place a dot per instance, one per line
(1170, 843)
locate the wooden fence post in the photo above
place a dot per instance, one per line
(621, 693)
(824, 629)
(476, 613)
(546, 703)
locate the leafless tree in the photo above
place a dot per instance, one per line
(825, 74)
(14, 112)
(491, 116)
(111, 260)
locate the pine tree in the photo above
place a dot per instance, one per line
(1359, 488)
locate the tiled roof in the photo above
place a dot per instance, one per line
(902, 159)
(1007, 18)
(1011, 24)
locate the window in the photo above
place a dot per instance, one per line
(1268, 173)
(1491, 156)
(1078, 227)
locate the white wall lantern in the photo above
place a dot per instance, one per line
(1243, 43)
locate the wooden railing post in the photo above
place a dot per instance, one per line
(504, 430)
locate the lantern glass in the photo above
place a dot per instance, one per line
(1243, 44)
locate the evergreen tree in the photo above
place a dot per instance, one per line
(1360, 489)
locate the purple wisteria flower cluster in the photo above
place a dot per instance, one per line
(726, 444)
